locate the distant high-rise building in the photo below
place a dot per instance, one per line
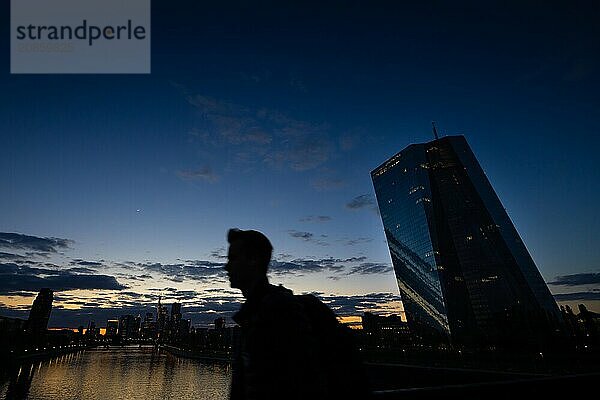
(40, 312)
(461, 267)
(176, 311)
(219, 323)
(129, 326)
(184, 328)
(148, 326)
(175, 321)
(92, 331)
(162, 320)
(112, 327)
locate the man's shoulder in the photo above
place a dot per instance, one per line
(278, 296)
(281, 303)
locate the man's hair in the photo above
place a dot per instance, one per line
(254, 243)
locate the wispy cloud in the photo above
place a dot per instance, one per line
(338, 266)
(219, 253)
(203, 173)
(259, 135)
(301, 235)
(198, 270)
(308, 237)
(326, 184)
(349, 142)
(357, 241)
(369, 268)
(78, 261)
(360, 202)
(316, 218)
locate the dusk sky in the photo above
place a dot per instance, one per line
(117, 189)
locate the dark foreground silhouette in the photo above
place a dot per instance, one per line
(291, 346)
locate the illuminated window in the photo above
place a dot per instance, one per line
(416, 188)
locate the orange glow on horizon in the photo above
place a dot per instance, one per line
(351, 321)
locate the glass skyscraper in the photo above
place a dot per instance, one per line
(463, 272)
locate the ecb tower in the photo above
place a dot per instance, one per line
(463, 272)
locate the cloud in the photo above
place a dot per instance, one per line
(203, 173)
(300, 235)
(300, 153)
(354, 259)
(15, 278)
(588, 284)
(370, 268)
(349, 142)
(362, 201)
(298, 266)
(19, 241)
(78, 261)
(259, 135)
(297, 83)
(234, 123)
(358, 304)
(204, 270)
(219, 253)
(308, 237)
(577, 279)
(316, 218)
(360, 240)
(80, 270)
(324, 184)
(11, 257)
(577, 296)
(338, 266)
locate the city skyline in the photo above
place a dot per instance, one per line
(120, 189)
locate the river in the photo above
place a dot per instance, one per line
(117, 373)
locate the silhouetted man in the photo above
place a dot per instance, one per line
(292, 347)
(277, 355)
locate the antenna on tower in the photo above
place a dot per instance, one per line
(435, 133)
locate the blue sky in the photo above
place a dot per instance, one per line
(271, 117)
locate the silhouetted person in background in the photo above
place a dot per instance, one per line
(291, 347)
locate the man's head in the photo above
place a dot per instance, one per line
(248, 258)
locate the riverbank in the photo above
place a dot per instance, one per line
(185, 353)
(38, 353)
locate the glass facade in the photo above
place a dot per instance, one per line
(404, 199)
(461, 267)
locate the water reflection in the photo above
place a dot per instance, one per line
(118, 373)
